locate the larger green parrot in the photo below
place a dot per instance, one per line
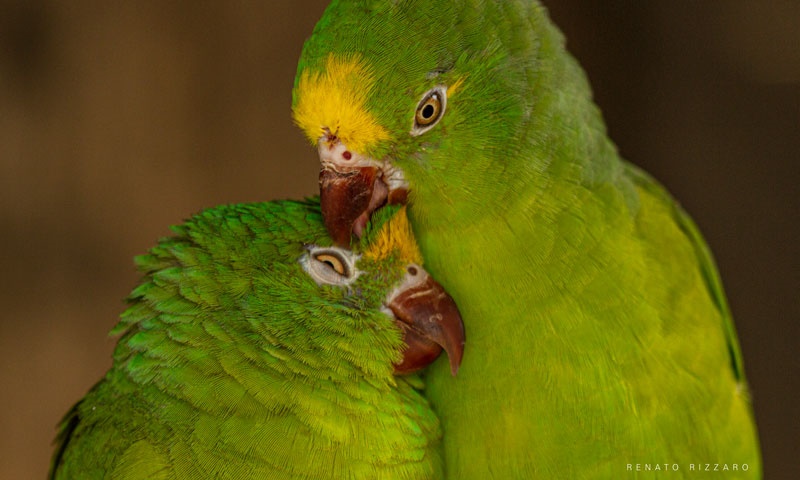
(255, 349)
(601, 344)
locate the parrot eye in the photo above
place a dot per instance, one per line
(429, 110)
(332, 261)
(330, 266)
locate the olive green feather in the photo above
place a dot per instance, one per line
(599, 335)
(233, 363)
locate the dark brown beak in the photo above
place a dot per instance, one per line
(349, 197)
(346, 199)
(430, 322)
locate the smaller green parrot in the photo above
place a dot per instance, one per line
(254, 348)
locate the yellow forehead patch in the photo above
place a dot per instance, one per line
(395, 236)
(336, 98)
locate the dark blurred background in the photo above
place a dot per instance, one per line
(118, 119)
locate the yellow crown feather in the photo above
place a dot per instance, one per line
(335, 98)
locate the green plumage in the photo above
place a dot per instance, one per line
(599, 334)
(234, 364)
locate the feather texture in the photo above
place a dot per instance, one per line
(232, 363)
(599, 335)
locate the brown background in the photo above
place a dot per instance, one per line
(119, 119)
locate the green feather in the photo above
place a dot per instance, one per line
(233, 363)
(598, 330)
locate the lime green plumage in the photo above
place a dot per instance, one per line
(233, 363)
(599, 334)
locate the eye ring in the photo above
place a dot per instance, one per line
(330, 265)
(429, 110)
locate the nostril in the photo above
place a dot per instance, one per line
(347, 155)
(412, 271)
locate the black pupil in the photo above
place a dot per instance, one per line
(427, 111)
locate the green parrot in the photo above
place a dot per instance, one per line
(601, 343)
(254, 348)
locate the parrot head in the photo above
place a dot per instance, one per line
(269, 276)
(419, 306)
(422, 102)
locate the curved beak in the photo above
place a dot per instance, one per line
(430, 322)
(348, 199)
(352, 186)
